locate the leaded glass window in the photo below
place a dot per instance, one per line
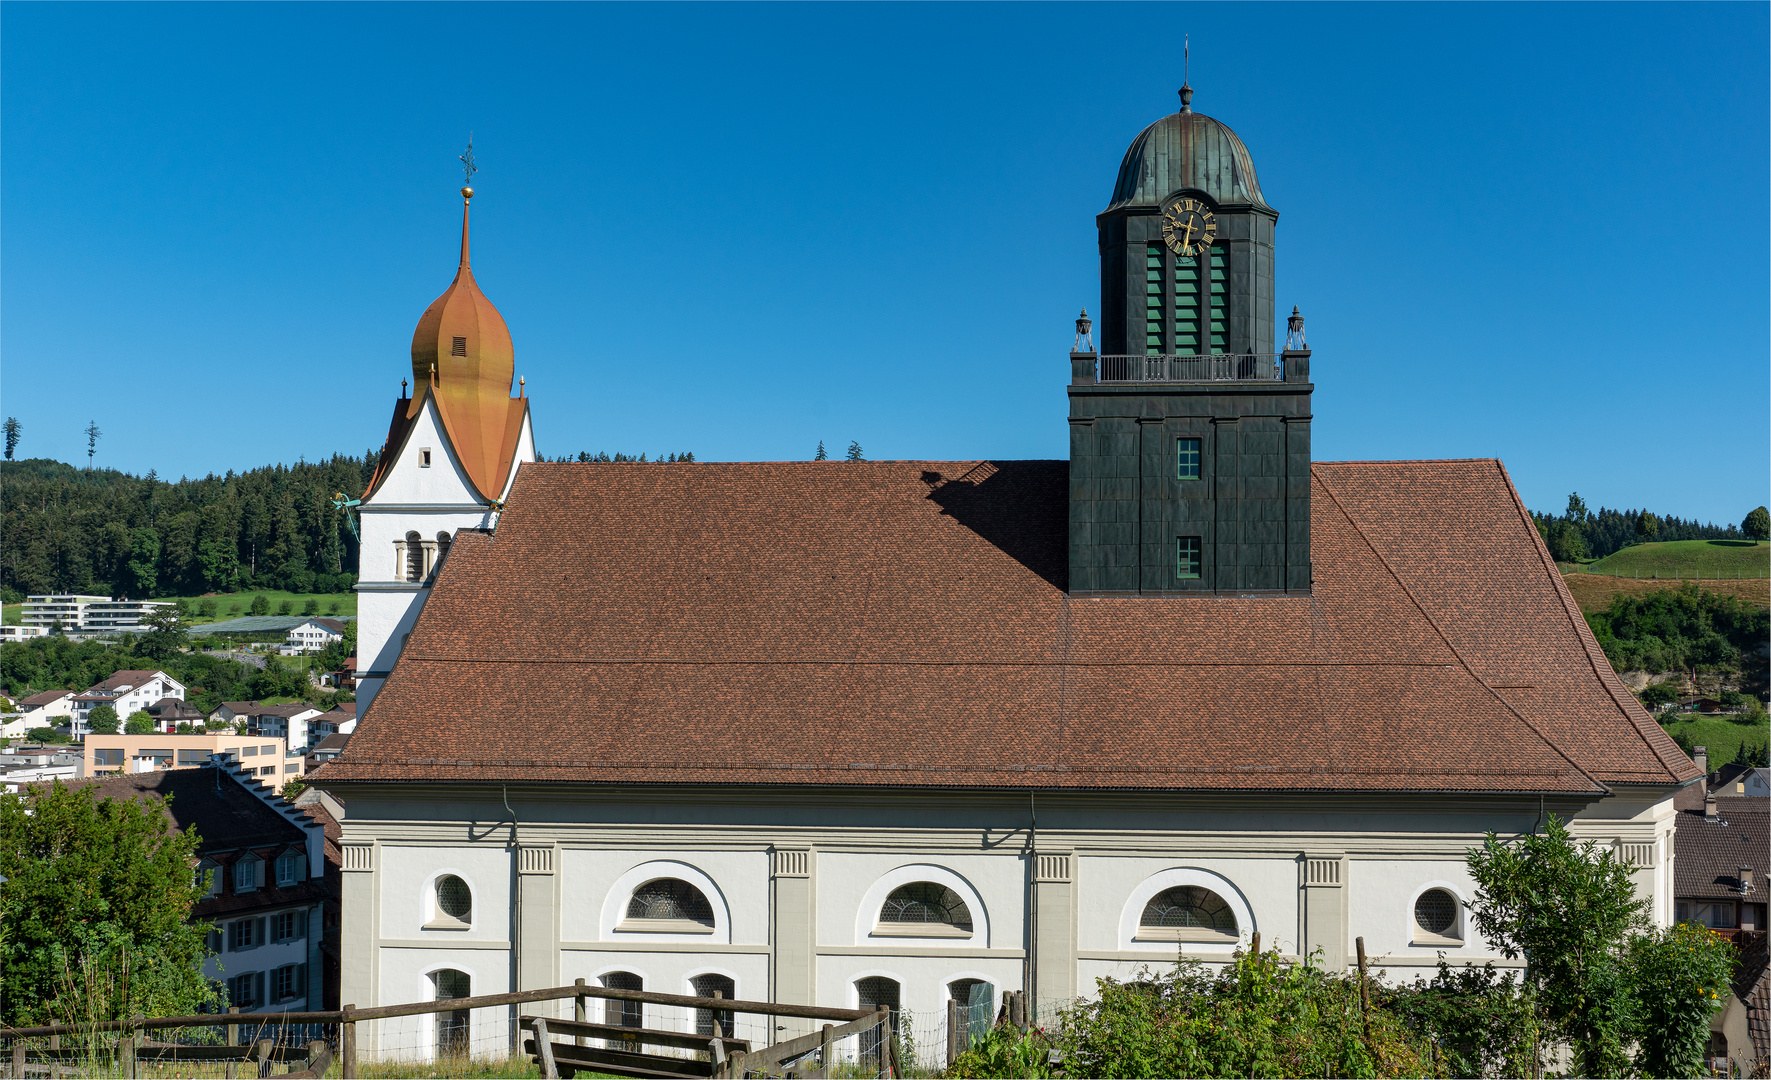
(705, 1019)
(1188, 553)
(926, 902)
(454, 898)
(1153, 337)
(1435, 911)
(1188, 907)
(668, 898)
(1187, 459)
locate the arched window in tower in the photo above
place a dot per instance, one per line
(443, 542)
(414, 557)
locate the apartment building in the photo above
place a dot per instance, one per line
(79, 614)
(262, 757)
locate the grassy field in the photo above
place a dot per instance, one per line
(1593, 592)
(1723, 737)
(239, 605)
(1688, 559)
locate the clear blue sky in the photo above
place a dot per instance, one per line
(1532, 232)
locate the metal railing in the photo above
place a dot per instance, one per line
(1220, 367)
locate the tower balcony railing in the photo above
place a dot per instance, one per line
(1217, 367)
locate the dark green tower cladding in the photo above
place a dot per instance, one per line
(1189, 434)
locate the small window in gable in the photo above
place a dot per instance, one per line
(1436, 918)
(454, 905)
(424, 457)
(670, 906)
(459, 348)
(924, 909)
(1187, 913)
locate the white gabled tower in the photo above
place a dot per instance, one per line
(452, 450)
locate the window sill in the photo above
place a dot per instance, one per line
(1424, 940)
(662, 926)
(920, 930)
(1180, 933)
(447, 924)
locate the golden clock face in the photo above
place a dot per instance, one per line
(1188, 227)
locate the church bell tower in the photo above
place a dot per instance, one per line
(1189, 434)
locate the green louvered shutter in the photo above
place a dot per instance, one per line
(1153, 299)
(1187, 305)
(1220, 300)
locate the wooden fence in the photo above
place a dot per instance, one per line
(734, 1062)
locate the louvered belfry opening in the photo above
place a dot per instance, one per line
(459, 348)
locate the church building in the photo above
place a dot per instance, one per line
(903, 732)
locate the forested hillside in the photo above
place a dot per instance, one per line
(1578, 533)
(64, 529)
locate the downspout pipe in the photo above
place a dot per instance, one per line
(516, 913)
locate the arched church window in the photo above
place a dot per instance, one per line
(871, 993)
(452, 1027)
(926, 909)
(1189, 913)
(414, 557)
(619, 1013)
(668, 904)
(443, 541)
(718, 986)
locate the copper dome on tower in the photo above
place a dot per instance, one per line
(1187, 150)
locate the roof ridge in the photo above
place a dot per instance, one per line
(1446, 638)
(1584, 634)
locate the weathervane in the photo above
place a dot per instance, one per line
(468, 168)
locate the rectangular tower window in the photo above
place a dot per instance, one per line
(1153, 299)
(424, 457)
(1220, 300)
(1187, 305)
(1187, 459)
(1187, 550)
(459, 347)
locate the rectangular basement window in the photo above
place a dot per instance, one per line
(424, 457)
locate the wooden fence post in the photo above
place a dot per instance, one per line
(262, 1051)
(18, 1058)
(826, 1053)
(580, 1012)
(953, 1049)
(347, 1043)
(316, 1050)
(126, 1057)
(544, 1050)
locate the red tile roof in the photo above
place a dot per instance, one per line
(905, 623)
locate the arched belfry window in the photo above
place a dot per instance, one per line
(668, 905)
(1187, 913)
(414, 557)
(924, 909)
(444, 539)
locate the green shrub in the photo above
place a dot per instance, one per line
(1006, 1052)
(1681, 978)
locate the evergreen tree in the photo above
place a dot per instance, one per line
(12, 428)
(822, 454)
(93, 434)
(855, 452)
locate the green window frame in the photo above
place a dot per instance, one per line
(1154, 338)
(1186, 459)
(1189, 551)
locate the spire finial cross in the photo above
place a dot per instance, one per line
(468, 168)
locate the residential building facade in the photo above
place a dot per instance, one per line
(78, 614)
(314, 635)
(265, 758)
(128, 692)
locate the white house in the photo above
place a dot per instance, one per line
(313, 635)
(21, 633)
(909, 732)
(52, 708)
(57, 611)
(125, 691)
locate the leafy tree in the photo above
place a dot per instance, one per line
(206, 607)
(97, 885)
(1681, 978)
(855, 451)
(144, 559)
(1757, 525)
(332, 608)
(1569, 909)
(1647, 525)
(285, 607)
(1566, 542)
(261, 605)
(1577, 508)
(139, 723)
(311, 607)
(1661, 693)
(822, 454)
(102, 720)
(48, 735)
(165, 634)
(1480, 1020)
(13, 428)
